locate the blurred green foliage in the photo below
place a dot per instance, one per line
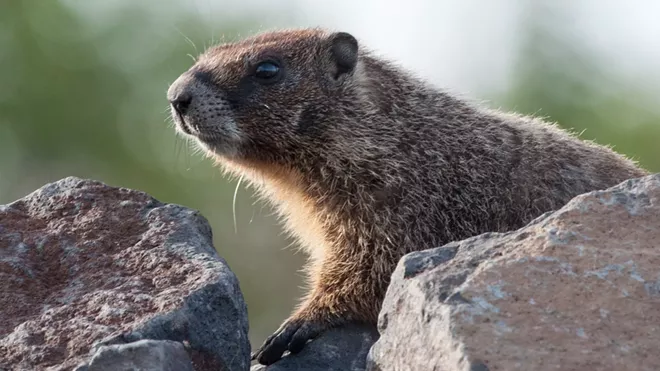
(562, 80)
(84, 94)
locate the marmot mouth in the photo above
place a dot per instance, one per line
(182, 124)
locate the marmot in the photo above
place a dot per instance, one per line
(367, 162)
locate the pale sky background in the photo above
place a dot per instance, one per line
(463, 45)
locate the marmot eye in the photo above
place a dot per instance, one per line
(266, 70)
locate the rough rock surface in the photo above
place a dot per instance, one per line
(82, 262)
(340, 349)
(143, 355)
(576, 289)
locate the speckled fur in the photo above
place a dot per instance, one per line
(380, 163)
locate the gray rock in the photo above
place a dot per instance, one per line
(142, 355)
(340, 349)
(91, 265)
(575, 289)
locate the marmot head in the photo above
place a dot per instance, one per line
(265, 98)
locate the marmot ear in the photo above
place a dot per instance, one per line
(344, 53)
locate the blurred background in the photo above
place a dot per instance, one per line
(83, 82)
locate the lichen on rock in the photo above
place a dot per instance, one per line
(85, 264)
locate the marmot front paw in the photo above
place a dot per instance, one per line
(292, 335)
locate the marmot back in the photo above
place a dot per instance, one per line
(366, 162)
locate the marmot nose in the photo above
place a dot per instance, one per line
(181, 102)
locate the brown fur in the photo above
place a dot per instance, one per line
(369, 164)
